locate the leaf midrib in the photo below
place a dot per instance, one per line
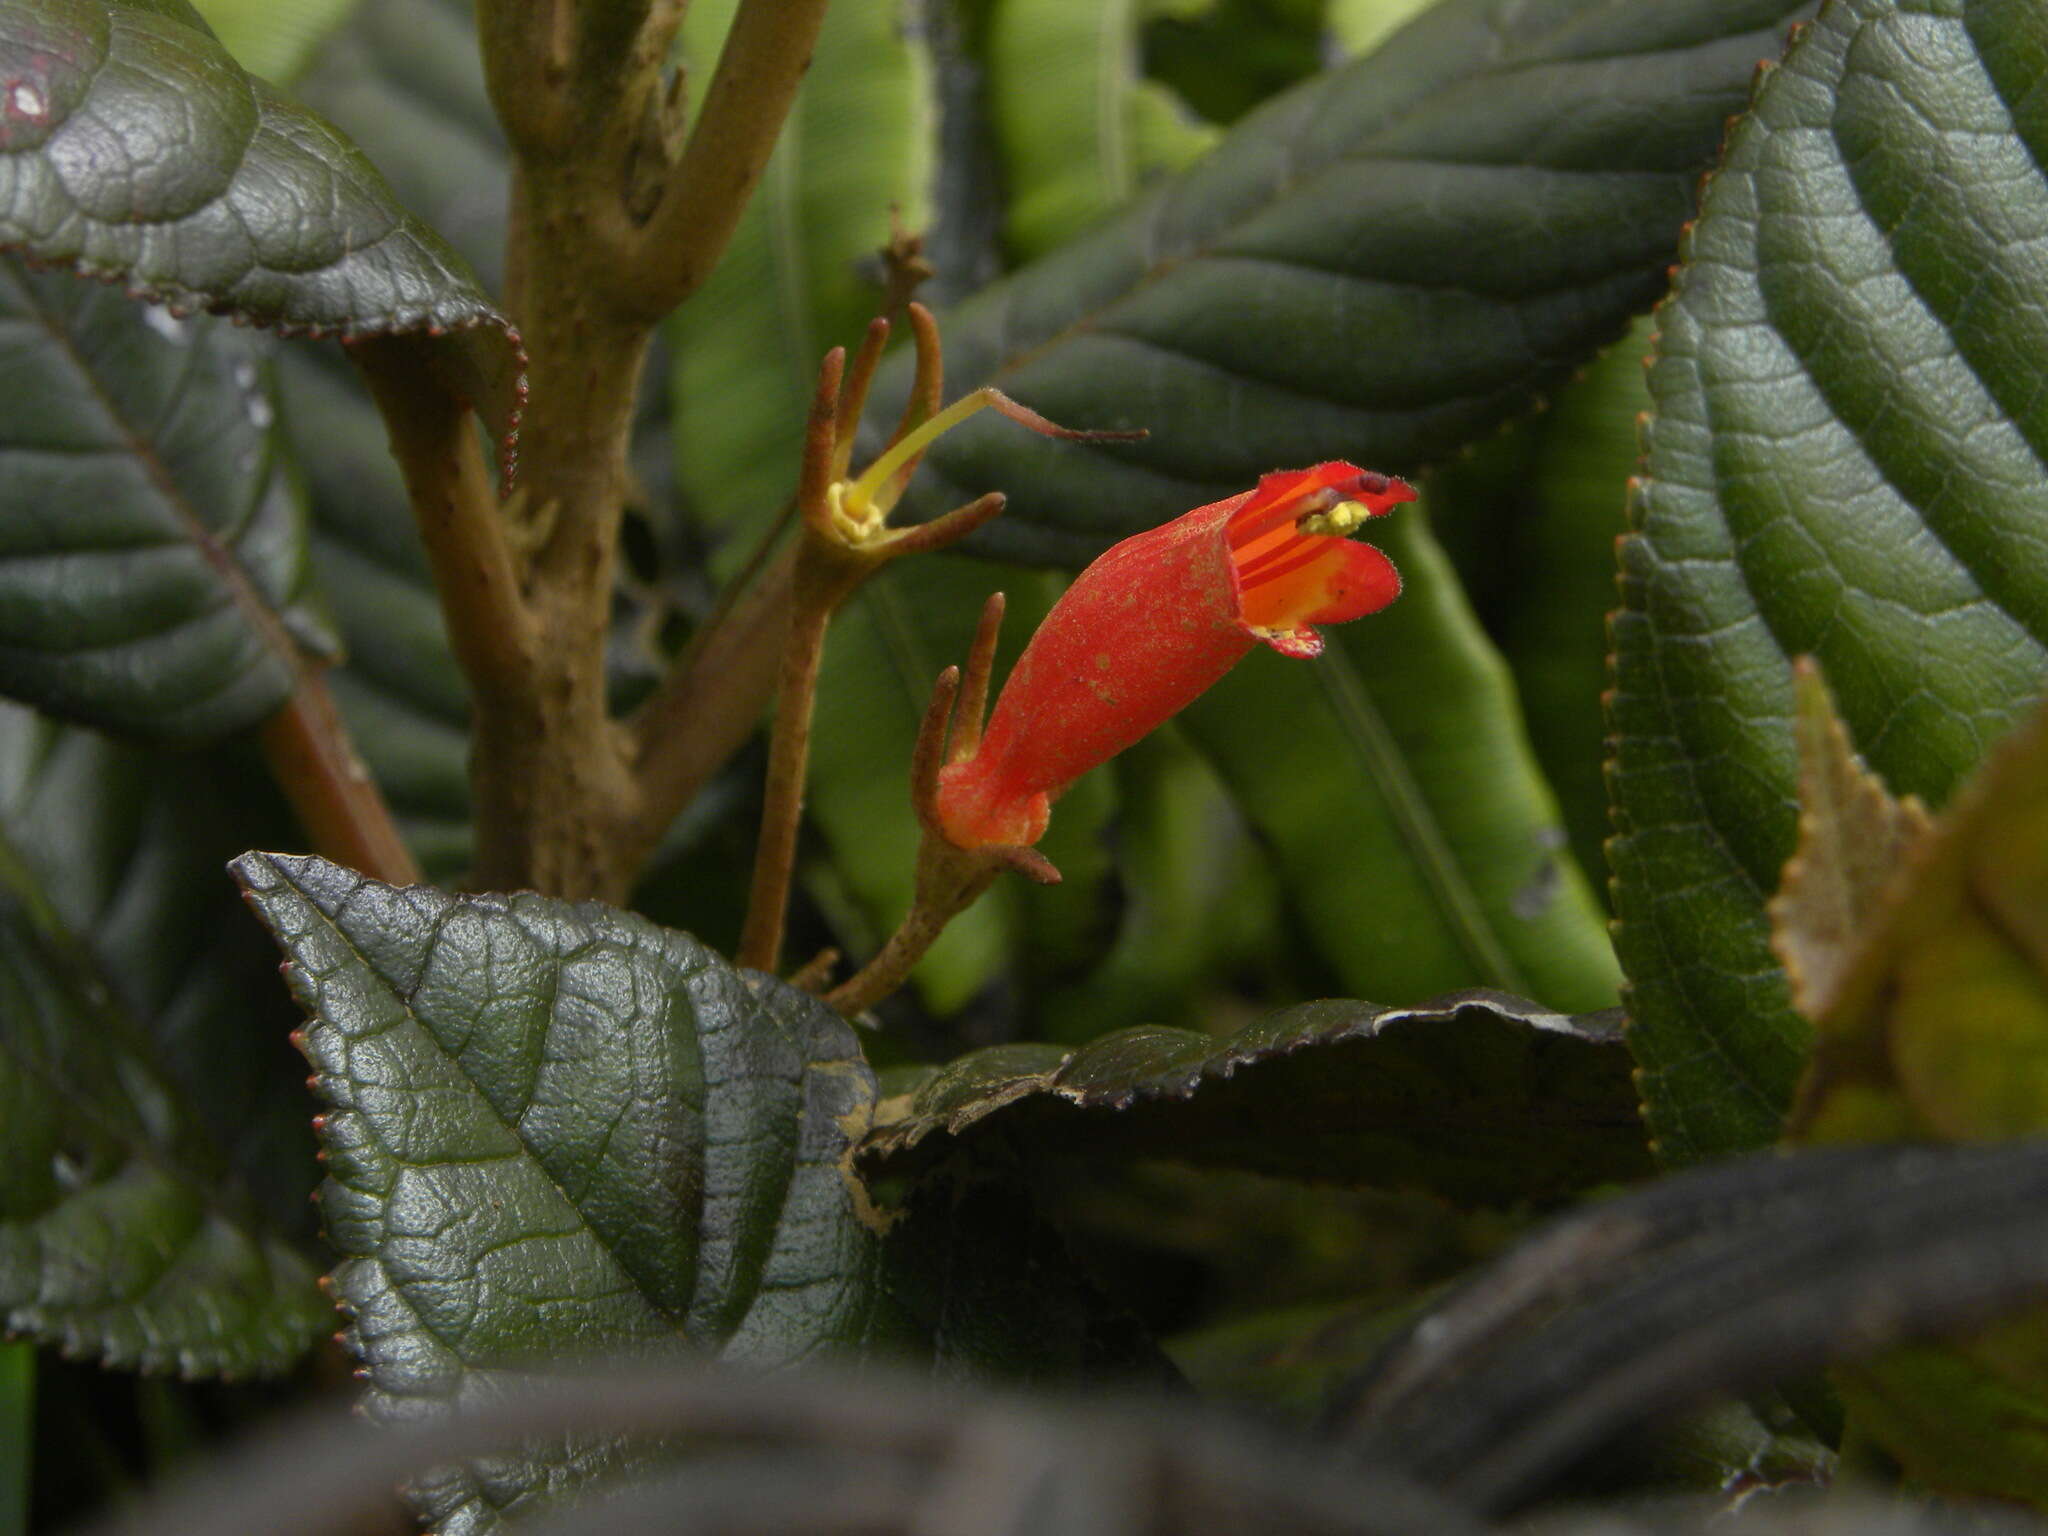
(253, 606)
(1296, 179)
(1415, 820)
(511, 1128)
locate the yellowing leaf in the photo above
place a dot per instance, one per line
(1852, 836)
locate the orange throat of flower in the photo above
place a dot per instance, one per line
(1294, 566)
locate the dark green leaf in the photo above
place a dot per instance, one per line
(558, 1130)
(153, 570)
(1479, 1096)
(1711, 1281)
(1381, 265)
(132, 147)
(135, 1071)
(1844, 461)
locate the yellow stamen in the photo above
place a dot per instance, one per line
(1344, 518)
(860, 494)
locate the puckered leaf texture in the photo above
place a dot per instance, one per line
(134, 148)
(560, 1130)
(1845, 461)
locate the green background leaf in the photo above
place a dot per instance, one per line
(153, 567)
(1078, 129)
(156, 1160)
(1410, 826)
(273, 38)
(1844, 462)
(1381, 264)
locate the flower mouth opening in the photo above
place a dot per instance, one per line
(1293, 562)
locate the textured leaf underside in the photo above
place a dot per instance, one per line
(1478, 1096)
(1846, 462)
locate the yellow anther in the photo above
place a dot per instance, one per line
(1344, 518)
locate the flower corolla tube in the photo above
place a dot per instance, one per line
(1154, 622)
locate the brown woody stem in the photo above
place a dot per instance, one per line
(614, 220)
(456, 508)
(314, 761)
(752, 88)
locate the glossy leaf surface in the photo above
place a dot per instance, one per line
(153, 567)
(1478, 1096)
(1380, 265)
(558, 1129)
(153, 1158)
(134, 148)
(1844, 462)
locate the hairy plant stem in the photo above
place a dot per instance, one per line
(614, 221)
(336, 800)
(553, 783)
(752, 88)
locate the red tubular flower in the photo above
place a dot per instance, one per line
(1156, 620)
